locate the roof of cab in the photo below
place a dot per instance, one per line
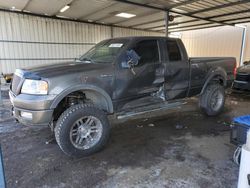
(144, 37)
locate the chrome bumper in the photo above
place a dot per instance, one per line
(32, 110)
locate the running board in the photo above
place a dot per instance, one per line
(148, 109)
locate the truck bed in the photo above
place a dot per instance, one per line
(202, 67)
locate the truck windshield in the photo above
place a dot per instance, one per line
(105, 51)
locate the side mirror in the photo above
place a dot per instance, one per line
(77, 59)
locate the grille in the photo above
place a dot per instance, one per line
(243, 77)
(15, 84)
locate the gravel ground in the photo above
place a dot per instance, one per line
(179, 149)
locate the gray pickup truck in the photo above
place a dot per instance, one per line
(121, 76)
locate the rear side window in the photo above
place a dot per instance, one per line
(173, 51)
(148, 51)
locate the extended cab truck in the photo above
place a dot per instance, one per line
(121, 76)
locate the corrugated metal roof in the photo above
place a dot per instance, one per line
(189, 14)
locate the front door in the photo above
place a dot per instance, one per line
(146, 77)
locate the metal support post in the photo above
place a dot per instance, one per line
(243, 45)
(166, 22)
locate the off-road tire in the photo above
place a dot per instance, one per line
(207, 97)
(67, 119)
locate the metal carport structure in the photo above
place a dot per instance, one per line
(37, 32)
(149, 14)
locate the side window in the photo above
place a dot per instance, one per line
(173, 51)
(147, 51)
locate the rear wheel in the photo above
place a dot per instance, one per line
(82, 130)
(213, 99)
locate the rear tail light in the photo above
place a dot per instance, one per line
(235, 71)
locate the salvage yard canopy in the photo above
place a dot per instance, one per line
(146, 15)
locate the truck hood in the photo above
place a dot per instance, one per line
(244, 69)
(59, 69)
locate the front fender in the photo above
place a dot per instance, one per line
(215, 73)
(96, 92)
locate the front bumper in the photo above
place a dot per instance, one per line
(37, 107)
(241, 85)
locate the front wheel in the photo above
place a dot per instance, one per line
(213, 99)
(82, 130)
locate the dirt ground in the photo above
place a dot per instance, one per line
(180, 149)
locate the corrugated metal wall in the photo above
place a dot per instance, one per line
(130, 32)
(220, 41)
(29, 40)
(247, 50)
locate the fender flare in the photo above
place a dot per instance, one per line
(218, 72)
(90, 88)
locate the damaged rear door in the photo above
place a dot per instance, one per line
(177, 70)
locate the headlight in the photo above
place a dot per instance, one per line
(35, 87)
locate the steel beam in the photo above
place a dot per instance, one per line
(173, 11)
(235, 22)
(68, 19)
(147, 22)
(184, 22)
(153, 21)
(236, 19)
(212, 17)
(26, 5)
(206, 27)
(219, 7)
(194, 25)
(166, 23)
(187, 2)
(229, 14)
(173, 24)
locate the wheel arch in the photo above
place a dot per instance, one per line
(217, 75)
(97, 95)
